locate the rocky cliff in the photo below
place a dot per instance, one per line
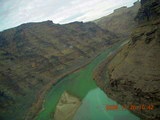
(134, 72)
(32, 55)
(121, 21)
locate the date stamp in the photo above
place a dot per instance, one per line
(130, 107)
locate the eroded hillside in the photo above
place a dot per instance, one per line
(134, 72)
(121, 21)
(32, 55)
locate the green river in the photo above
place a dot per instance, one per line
(82, 85)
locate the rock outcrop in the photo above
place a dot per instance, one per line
(66, 107)
(134, 72)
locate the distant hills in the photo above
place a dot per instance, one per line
(121, 21)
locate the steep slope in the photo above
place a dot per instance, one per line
(121, 21)
(32, 55)
(134, 72)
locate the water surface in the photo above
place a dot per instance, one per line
(82, 85)
(94, 108)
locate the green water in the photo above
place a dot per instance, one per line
(94, 108)
(78, 84)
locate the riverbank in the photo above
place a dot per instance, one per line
(77, 83)
(103, 80)
(99, 74)
(37, 106)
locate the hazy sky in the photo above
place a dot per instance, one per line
(16, 12)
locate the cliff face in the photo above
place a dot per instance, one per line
(148, 11)
(135, 71)
(121, 21)
(34, 54)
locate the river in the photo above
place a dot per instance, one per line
(82, 85)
